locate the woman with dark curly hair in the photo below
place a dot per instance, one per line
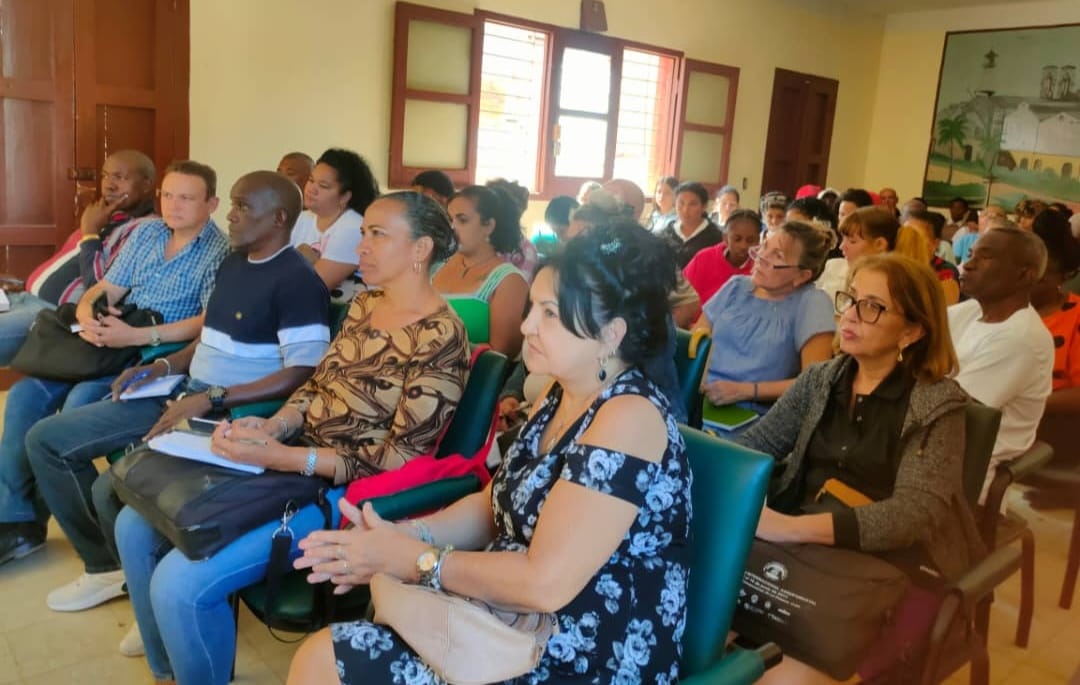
(336, 196)
(601, 446)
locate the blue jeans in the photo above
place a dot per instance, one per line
(182, 606)
(29, 401)
(15, 323)
(61, 450)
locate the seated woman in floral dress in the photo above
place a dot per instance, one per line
(601, 446)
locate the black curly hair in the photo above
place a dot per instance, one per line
(353, 175)
(616, 270)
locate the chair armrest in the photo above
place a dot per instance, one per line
(424, 498)
(1005, 474)
(151, 352)
(1037, 456)
(738, 666)
(981, 579)
(263, 409)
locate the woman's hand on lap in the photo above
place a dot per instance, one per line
(725, 392)
(348, 558)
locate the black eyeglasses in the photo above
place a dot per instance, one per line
(867, 310)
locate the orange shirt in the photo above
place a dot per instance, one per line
(1064, 326)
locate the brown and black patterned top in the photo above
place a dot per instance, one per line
(382, 397)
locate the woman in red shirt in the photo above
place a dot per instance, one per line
(711, 267)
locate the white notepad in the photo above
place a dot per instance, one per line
(159, 387)
(180, 443)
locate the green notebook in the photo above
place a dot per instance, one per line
(727, 417)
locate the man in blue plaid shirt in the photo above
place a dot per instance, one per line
(167, 265)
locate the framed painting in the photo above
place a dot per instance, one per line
(1007, 118)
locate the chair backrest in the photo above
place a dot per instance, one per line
(691, 358)
(476, 315)
(338, 312)
(469, 428)
(728, 493)
(980, 433)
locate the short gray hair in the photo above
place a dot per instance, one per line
(1030, 248)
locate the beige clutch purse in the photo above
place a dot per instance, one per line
(463, 640)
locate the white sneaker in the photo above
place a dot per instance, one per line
(132, 644)
(86, 591)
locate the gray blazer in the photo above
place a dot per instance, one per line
(927, 505)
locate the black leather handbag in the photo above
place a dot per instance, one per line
(53, 352)
(202, 507)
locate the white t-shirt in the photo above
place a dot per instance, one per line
(833, 277)
(1007, 365)
(337, 244)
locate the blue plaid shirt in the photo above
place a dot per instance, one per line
(178, 288)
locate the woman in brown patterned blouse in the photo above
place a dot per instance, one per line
(381, 396)
(393, 376)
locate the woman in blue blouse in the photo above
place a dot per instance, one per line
(769, 326)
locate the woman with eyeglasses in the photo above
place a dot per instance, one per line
(882, 419)
(769, 326)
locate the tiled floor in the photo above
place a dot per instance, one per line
(40, 647)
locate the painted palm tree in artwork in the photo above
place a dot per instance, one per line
(952, 132)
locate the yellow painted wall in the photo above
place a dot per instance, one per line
(268, 76)
(907, 81)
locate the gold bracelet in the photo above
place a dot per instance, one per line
(88, 238)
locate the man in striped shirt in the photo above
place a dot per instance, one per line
(127, 198)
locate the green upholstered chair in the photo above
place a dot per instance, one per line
(476, 315)
(297, 606)
(728, 493)
(691, 359)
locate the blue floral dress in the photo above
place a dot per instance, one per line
(626, 625)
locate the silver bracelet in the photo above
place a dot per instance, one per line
(312, 459)
(423, 533)
(168, 366)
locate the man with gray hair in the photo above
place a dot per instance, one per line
(1005, 353)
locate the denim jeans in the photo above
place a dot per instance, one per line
(61, 450)
(29, 401)
(182, 606)
(15, 323)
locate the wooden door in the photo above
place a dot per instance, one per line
(800, 131)
(37, 130)
(131, 86)
(78, 80)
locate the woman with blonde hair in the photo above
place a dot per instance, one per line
(882, 419)
(912, 242)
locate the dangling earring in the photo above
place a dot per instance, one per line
(900, 354)
(601, 375)
(416, 267)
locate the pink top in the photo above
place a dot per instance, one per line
(709, 270)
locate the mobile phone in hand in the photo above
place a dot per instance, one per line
(101, 306)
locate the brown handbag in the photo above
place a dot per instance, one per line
(465, 641)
